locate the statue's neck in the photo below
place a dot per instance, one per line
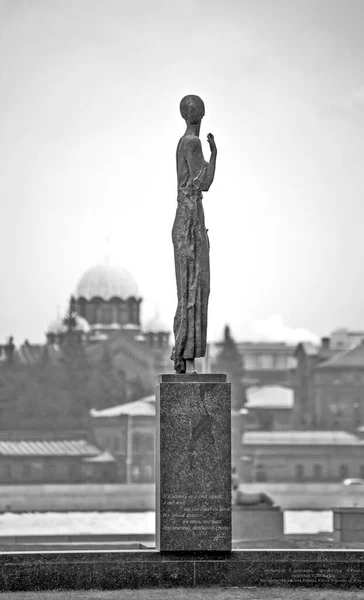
(193, 129)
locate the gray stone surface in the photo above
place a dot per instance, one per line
(190, 377)
(193, 465)
(34, 571)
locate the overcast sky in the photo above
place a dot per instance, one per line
(89, 121)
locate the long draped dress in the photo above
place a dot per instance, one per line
(191, 254)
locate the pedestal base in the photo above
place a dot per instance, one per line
(193, 463)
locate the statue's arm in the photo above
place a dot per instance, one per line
(202, 172)
(212, 164)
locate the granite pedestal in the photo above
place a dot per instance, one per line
(193, 463)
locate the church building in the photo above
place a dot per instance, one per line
(107, 301)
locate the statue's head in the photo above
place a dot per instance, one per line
(192, 109)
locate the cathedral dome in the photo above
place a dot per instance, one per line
(106, 281)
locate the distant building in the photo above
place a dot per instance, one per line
(127, 431)
(329, 387)
(34, 457)
(265, 363)
(308, 357)
(107, 298)
(104, 320)
(339, 391)
(301, 456)
(106, 302)
(267, 356)
(268, 408)
(344, 339)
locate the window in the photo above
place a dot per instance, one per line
(148, 473)
(87, 471)
(60, 471)
(290, 362)
(26, 472)
(258, 363)
(279, 362)
(299, 473)
(267, 361)
(16, 472)
(343, 472)
(81, 309)
(106, 314)
(5, 472)
(98, 309)
(135, 473)
(134, 312)
(317, 472)
(73, 472)
(249, 361)
(260, 474)
(356, 412)
(90, 313)
(123, 314)
(115, 313)
(37, 470)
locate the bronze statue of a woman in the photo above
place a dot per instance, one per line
(190, 240)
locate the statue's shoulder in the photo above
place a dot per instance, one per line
(190, 142)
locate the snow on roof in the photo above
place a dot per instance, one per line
(103, 457)
(301, 437)
(47, 448)
(270, 397)
(143, 407)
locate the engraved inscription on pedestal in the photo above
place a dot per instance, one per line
(187, 513)
(193, 454)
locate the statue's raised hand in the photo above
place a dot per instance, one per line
(211, 141)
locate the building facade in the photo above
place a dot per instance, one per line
(34, 457)
(268, 408)
(344, 339)
(301, 456)
(339, 391)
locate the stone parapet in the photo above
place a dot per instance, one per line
(253, 523)
(349, 524)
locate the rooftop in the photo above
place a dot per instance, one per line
(352, 358)
(48, 448)
(106, 281)
(309, 438)
(309, 348)
(270, 397)
(143, 407)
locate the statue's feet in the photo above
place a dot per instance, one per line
(190, 367)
